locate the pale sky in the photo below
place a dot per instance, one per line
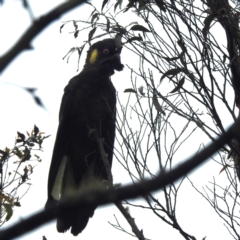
(44, 68)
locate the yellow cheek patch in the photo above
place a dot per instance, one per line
(93, 56)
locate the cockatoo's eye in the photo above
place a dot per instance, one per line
(106, 51)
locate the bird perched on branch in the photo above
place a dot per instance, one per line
(88, 103)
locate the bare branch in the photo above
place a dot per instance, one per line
(122, 209)
(24, 43)
(103, 197)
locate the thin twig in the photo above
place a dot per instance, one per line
(103, 197)
(122, 209)
(24, 43)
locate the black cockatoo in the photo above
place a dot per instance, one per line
(89, 102)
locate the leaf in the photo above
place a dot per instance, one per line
(115, 6)
(142, 5)
(108, 24)
(30, 168)
(139, 38)
(35, 130)
(160, 4)
(70, 51)
(46, 136)
(118, 3)
(139, 28)
(30, 144)
(17, 152)
(171, 59)
(9, 211)
(173, 71)
(130, 5)
(140, 89)
(31, 90)
(224, 57)
(180, 84)
(26, 155)
(79, 50)
(182, 58)
(17, 204)
(157, 105)
(91, 33)
(132, 23)
(104, 3)
(118, 40)
(75, 25)
(7, 150)
(207, 22)
(2, 152)
(25, 175)
(200, 125)
(76, 34)
(92, 12)
(95, 15)
(130, 90)
(38, 101)
(224, 168)
(181, 45)
(21, 136)
(119, 29)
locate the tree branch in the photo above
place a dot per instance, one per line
(103, 197)
(121, 208)
(24, 43)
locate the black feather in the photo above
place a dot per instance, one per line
(89, 102)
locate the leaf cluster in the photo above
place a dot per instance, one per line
(15, 170)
